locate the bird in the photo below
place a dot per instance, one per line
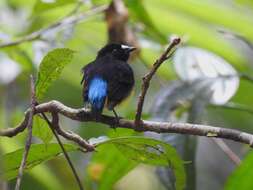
(109, 79)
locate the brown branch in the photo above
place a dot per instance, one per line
(68, 20)
(158, 127)
(29, 136)
(147, 78)
(10, 132)
(70, 135)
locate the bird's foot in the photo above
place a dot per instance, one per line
(115, 123)
(116, 120)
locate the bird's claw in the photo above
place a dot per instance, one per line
(116, 123)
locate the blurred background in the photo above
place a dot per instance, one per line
(208, 80)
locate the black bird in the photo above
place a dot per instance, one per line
(109, 79)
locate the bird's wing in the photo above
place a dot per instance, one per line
(85, 70)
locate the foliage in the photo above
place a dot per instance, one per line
(241, 177)
(154, 152)
(50, 69)
(222, 29)
(41, 130)
(38, 153)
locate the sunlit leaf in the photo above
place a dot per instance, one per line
(42, 130)
(193, 64)
(46, 5)
(241, 178)
(51, 67)
(38, 153)
(98, 140)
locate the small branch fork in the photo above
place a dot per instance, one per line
(66, 21)
(147, 78)
(53, 126)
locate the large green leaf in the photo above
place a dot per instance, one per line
(108, 167)
(38, 153)
(51, 68)
(148, 151)
(241, 178)
(41, 173)
(41, 129)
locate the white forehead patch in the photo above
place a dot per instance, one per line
(124, 47)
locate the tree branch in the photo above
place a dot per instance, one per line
(147, 78)
(68, 20)
(83, 115)
(29, 136)
(70, 135)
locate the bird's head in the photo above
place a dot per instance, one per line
(119, 51)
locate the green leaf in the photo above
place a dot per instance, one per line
(51, 68)
(108, 167)
(38, 153)
(150, 151)
(41, 173)
(42, 130)
(42, 6)
(241, 178)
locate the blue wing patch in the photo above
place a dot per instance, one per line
(97, 93)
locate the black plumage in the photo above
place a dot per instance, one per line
(109, 79)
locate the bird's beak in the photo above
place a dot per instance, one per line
(130, 49)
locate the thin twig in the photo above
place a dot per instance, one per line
(227, 150)
(219, 142)
(68, 20)
(158, 127)
(52, 127)
(147, 78)
(236, 36)
(29, 136)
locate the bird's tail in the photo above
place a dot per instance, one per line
(97, 95)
